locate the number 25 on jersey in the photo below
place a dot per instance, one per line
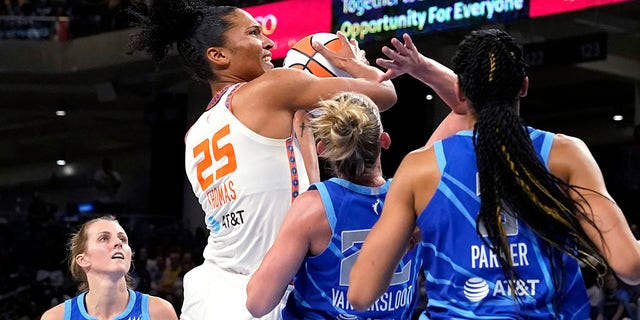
(224, 157)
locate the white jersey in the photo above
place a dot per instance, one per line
(244, 182)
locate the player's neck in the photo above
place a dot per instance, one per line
(106, 304)
(371, 177)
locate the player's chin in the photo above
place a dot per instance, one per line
(267, 66)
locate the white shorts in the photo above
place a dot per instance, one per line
(212, 293)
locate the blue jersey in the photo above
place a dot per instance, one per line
(320, 286)
(464, 279)
(137, 308)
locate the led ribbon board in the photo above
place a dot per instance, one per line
(374, 20)
(541, 8)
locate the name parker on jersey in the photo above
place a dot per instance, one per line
(483, 257)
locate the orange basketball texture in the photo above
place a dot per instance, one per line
(304, 57)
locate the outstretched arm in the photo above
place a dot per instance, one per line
(352, 59)
(405, 58)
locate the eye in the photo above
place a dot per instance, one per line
(103, 238)
(255, 31)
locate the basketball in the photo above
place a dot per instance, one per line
(304, 57)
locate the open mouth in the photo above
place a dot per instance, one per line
(118, 256)
(267, 59)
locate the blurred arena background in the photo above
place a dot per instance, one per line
(70, 92)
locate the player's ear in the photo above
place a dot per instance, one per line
(385, 140)
(525, 87)
(82, 261)
(320, 147)
(217, 57)
(459, 93)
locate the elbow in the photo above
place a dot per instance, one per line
(256, 309)
(388, 100)
(630, 278)
(358, 301)
(357, 294)
(460, 108)
(363, 290)
(256, 312)
(254, 304)
(631, 281)
(628, 269)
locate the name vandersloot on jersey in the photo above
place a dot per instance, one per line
(389, 301)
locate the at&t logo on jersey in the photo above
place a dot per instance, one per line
(228, 220)
(213, 224)
(476, 289)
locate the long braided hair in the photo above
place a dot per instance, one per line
(513, 180)
(193, 25)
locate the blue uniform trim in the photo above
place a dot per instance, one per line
(328, 206)
(137, 308)
(67, 309)
(546, 148)
(456, 202)
(440, 158)
(362, 189)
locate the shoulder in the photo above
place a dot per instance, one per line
(307, 205)
(55, 313)
(308, 197)
(568, 147)
(306, 219)
(418, 170)
(306, 213)
(567, 155)
(276, 88)
(280, 79)
(422, 161)
(563, 141)
(160, 309)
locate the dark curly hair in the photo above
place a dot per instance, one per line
(513, 180)
(193, 25)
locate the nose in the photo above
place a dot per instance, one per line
(268, 43)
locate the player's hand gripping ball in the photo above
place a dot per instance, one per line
(304, 57)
